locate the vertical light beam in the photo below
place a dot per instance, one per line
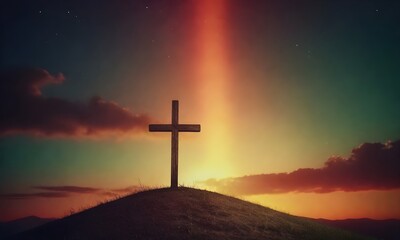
(214, 78)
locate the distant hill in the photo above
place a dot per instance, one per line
(184, 213)
(20, 225)
(381, 229)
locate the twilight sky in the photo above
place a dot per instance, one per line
(298, 101)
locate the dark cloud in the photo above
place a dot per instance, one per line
(69, 189)
(371, 166)
(21, 196)
(23, 109)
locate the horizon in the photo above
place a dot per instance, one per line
(145, 189)
(297, 102)
(114, 198)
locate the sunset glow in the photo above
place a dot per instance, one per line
(298, 103)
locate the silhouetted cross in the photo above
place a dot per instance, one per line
(174, 128)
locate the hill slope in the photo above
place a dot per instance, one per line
(382, 229)
(183, 213)
(20, 225)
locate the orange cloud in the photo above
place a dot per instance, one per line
(22, 196)
(24, 110)
(371, 166)
(121, 191)
(69, 189)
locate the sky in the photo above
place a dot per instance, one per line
(297, 100)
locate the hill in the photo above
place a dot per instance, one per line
(382, 229)
(183, 213)
(20, 225)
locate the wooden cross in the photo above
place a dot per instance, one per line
(174, 128)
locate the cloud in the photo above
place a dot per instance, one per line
(129, 189)
(90, 190)
(21, 196)
(121, 191)
(69, 189)
(24, 110)
(371, 166)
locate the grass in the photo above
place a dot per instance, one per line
(184, 213)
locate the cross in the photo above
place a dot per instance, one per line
(174, 128)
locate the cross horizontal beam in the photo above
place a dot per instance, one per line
(170, 127)
(160, 128)
(189, 127)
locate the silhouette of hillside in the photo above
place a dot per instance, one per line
(20, 225)
(382, 229)
(183, 213)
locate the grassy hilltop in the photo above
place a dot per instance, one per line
(183, 213)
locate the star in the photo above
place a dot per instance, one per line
(308, 54)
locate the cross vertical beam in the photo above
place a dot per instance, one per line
(174, 128)
(174, 144)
